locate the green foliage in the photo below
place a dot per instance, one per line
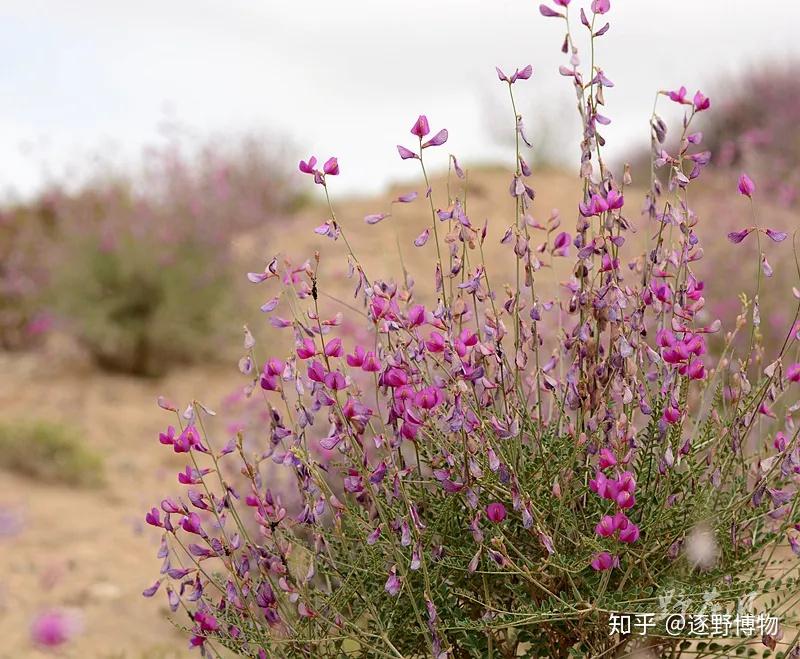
(139, 309)
(49, 453)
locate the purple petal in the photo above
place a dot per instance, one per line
(738, 236)
(405, 154)
(777, 236)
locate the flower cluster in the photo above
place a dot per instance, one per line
(509, 462)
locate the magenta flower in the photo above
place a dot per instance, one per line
(629, 533)
(607, 458)
(601, 6)
(421, 127)
(437, 140)
(746, 186)
(701, 102)
(679, 95)
(54, 628)
(394, 377)
(496, 512)
(356, 359)
(603, 561)
(308, 167)
(334, 347)
(672, 414)
(371, 363)
(307, 349)
(793, 373)
(606, 527)
(331, 167)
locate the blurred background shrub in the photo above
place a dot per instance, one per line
(138, 265)
(49, 453)
(755, 127)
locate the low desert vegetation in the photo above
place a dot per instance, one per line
(49, 453)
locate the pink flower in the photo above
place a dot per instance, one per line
(395, 377)
(308, 167)
(306, 349)
(421, 127)
(696, 370)
(629, 534)
(672, 414)
(603, 561)
(331, 167)
(333, 348)
(701, 102)
(53, 628)
(437, 140)
(496, 512)
(793, 373)
(356, 359)
(779, 442)
(371, 363)
(428, 398)
(601, 6)
(746, 186)
(605, 527)
(607, 458)
(679, 95)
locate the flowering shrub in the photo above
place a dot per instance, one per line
(24, 241)
(510, 468)
(755, 128)
(139, 266)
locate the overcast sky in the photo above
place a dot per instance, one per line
(343, 77)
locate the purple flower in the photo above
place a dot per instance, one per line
(393, 583)
(544, 10)
(405, 154)
(601, 6)
(746, 186)
(496, 512)
(776, 236)
(738, 236)
(437, 140)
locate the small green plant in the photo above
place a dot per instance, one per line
(138, 311)
(49, 453)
